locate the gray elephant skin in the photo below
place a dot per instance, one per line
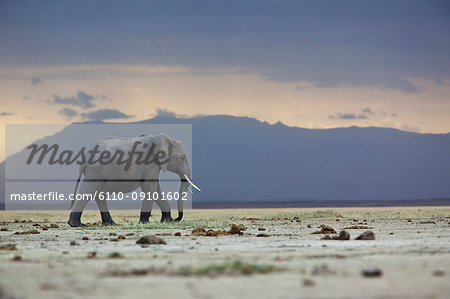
(161, 152)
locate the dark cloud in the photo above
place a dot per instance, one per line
(68, 112)
(348, 116)
(165, 113)
(359, 43)
(35, 80)
(368, 111)
(102, 114)
(82, 100)
(6, 114)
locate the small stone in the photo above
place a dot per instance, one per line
(263, 235)
(85, 238)
(199, 231)
(73, 243)
(234, 230)
(326, 229)
(308, 282)
(121, 237)
(241, 227)
(150, 239)
(211, 233)
(438, 273)
(30, 232)
(178, 234)
(261, 229)
(309, 226)
(53, 225)
(371, 272)
(367, 235)
(4, 229)
(112, 234)
(8, 247)
(91, 254)
(17, 258)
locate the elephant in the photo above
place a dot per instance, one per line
(161, 152)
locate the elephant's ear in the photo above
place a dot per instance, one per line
(162, 144)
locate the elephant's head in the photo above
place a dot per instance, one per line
(178, 163)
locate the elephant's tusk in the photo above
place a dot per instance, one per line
(190, 190)
(190, 182)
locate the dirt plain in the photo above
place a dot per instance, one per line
(409, 258)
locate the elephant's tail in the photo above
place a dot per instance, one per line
(82, 168)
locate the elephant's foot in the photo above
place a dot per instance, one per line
(107, 219)
(144, 217)
(180, 216)
(165, 217)
(75, 219)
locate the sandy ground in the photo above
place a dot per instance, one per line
(413, 255)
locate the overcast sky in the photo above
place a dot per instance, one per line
(315, 64)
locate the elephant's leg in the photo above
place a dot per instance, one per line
(85, 193)
(75, 214)
(146, 210)
(147, 203)
(104, 212)
(164, 206)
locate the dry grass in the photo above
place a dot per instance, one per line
(223, 217)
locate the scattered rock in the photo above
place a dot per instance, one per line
(115, 255)
(9, 247)
(178, 234)
(409, 220)
(44, 227)
(30, 232)
(211, 233)
(36, 224)
(322, 270)
(427, 222)
(325, 229)
(308, 282)
(130, 234)
(438, 273)
(113, 239)
(4, 229)
(262, 235)
(357, 227)
(16, 258)
(85, 238)
(235, 230)
(91, 254)
(343, 235)
(150, 239)
(309, 226)
(73, 243)
(367, 235)
(199, 231)
(112, 234)
(241, 227)
(53, 225)
(371, 272)
(121, 237)
(261, 229)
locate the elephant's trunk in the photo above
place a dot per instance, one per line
(182, 193)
